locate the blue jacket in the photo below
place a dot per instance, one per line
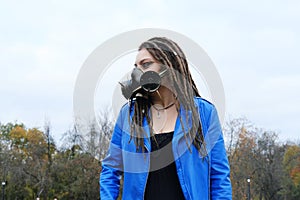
(200, 177)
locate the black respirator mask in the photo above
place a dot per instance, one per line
(142, 82)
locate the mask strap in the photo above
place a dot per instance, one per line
(163, 73)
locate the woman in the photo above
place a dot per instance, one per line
(167, 141)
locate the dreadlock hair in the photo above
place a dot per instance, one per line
(169, 54)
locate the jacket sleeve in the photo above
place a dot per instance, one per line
(112, 165)
(220, 185)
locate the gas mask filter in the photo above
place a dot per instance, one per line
(141, 82)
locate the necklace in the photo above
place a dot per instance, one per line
(163, 108)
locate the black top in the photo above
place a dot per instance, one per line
(163, 180)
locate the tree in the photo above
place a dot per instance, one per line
(240, 141)
(27, 162)
(268, 171)
(256, 154)
(291, 164)
(78, 163)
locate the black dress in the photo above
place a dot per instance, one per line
(162, 182)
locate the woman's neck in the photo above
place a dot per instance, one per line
(163, 96)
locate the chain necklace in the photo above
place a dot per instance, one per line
(163, 108)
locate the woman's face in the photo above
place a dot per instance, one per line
(146, 62)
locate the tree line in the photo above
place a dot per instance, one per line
(262, 167)
(34, 166)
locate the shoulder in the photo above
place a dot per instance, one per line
(124, 108)
(122, 116)
(207, 111)
(203, 104)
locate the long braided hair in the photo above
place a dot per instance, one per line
(169, 54)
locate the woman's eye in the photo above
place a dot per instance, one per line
(146, 64)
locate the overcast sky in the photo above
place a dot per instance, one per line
(255, 46)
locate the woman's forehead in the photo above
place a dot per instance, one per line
(143, 54)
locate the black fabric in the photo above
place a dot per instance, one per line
(162, 183)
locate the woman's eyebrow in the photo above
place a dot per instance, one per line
(141, 61)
